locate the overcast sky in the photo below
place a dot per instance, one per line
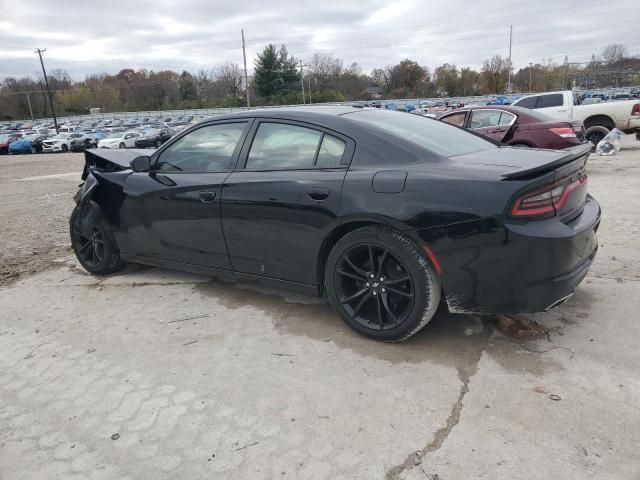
(90, 37)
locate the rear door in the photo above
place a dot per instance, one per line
(553, 104)
(173, 212)
(492, 123)
(282, 197)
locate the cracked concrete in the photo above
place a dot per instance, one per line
(201, 378)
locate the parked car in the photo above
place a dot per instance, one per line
(518, 127)
(598, 119)
(154, 137)
(119, 140)
(22, 145)
(6, 139)
(82, 144)
(60, 143)
(499, 100)
(591, 100)
(384, 212)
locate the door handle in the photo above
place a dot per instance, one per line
(318, 193)
(207, 196)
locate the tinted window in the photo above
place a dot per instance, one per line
(553, 100)
(485, 118)
(277, 145)
(432, 135)
(331, 152)
(529, 102)
(456, 119)
(207, 149)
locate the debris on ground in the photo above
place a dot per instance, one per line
(519, 327)
(115, 436)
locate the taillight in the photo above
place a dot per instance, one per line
(547, 200)
(565, 132)
(636, 109)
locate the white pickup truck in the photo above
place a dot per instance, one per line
(597, 118)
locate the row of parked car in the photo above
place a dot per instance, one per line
(143, 132)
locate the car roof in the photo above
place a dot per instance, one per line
(317, 112)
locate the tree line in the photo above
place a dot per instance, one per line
(279, 78)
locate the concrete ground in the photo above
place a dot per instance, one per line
(152, 374)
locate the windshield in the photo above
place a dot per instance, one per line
(433, 135)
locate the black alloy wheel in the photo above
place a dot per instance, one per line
(381, 283)
(374, 286)
(92, 240)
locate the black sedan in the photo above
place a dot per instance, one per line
(385, 213)
(154, 137)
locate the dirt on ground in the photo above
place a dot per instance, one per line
(36, 199)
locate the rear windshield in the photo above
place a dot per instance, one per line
(433, 135)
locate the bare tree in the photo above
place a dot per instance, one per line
(614, 53)
(495, 73)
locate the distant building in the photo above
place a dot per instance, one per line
(375, 92)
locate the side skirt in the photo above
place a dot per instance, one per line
(224, 274)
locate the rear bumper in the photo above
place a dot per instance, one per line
(494, 267)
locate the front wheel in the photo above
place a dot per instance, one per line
(64, 148)
(122, 145)
(381, 284)
(92, 240)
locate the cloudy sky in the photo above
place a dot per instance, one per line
(105, 36)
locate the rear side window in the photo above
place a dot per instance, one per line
(489, 118)
(456, 119)
(279, 145)
(331, 152)
(529, 102)
(553, 100)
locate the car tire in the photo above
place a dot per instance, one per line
(595, 134)
(122, 145)
(92, 240)
(64, 148)
(388, 314)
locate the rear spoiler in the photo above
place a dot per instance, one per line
(579, 152)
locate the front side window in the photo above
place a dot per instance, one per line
(278, 145)
(456, 119)
(528, 102)
(207, 149)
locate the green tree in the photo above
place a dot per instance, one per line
(275, 72)
(187, 86)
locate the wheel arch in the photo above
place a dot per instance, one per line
(599, 120)
(345, 226)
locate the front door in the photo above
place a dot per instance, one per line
(173, 212)
(278, 204)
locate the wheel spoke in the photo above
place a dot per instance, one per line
(361, 304)
(359, 293)
(400, 292)
(381, 261)
(358, 270)
(350, 275)
(371, 260)
(84, 247)
(385, 304)
(380, 316)
(395, 281)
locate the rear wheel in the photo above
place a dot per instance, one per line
(381, 284)
(64, 148)
(595, 134)
(92, 240)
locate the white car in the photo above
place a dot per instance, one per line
(60, 143)
(119, 140)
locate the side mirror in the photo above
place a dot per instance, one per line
(140, 164)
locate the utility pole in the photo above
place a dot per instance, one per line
(309, 89)
(29, 102)
(302, 82)
(530, 69)
(246, 78)
(510, 39)
(46, 81)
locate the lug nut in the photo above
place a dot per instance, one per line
(383, 290)
(366, 285)
(375, 293)
(371, 275)
(382, 279)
